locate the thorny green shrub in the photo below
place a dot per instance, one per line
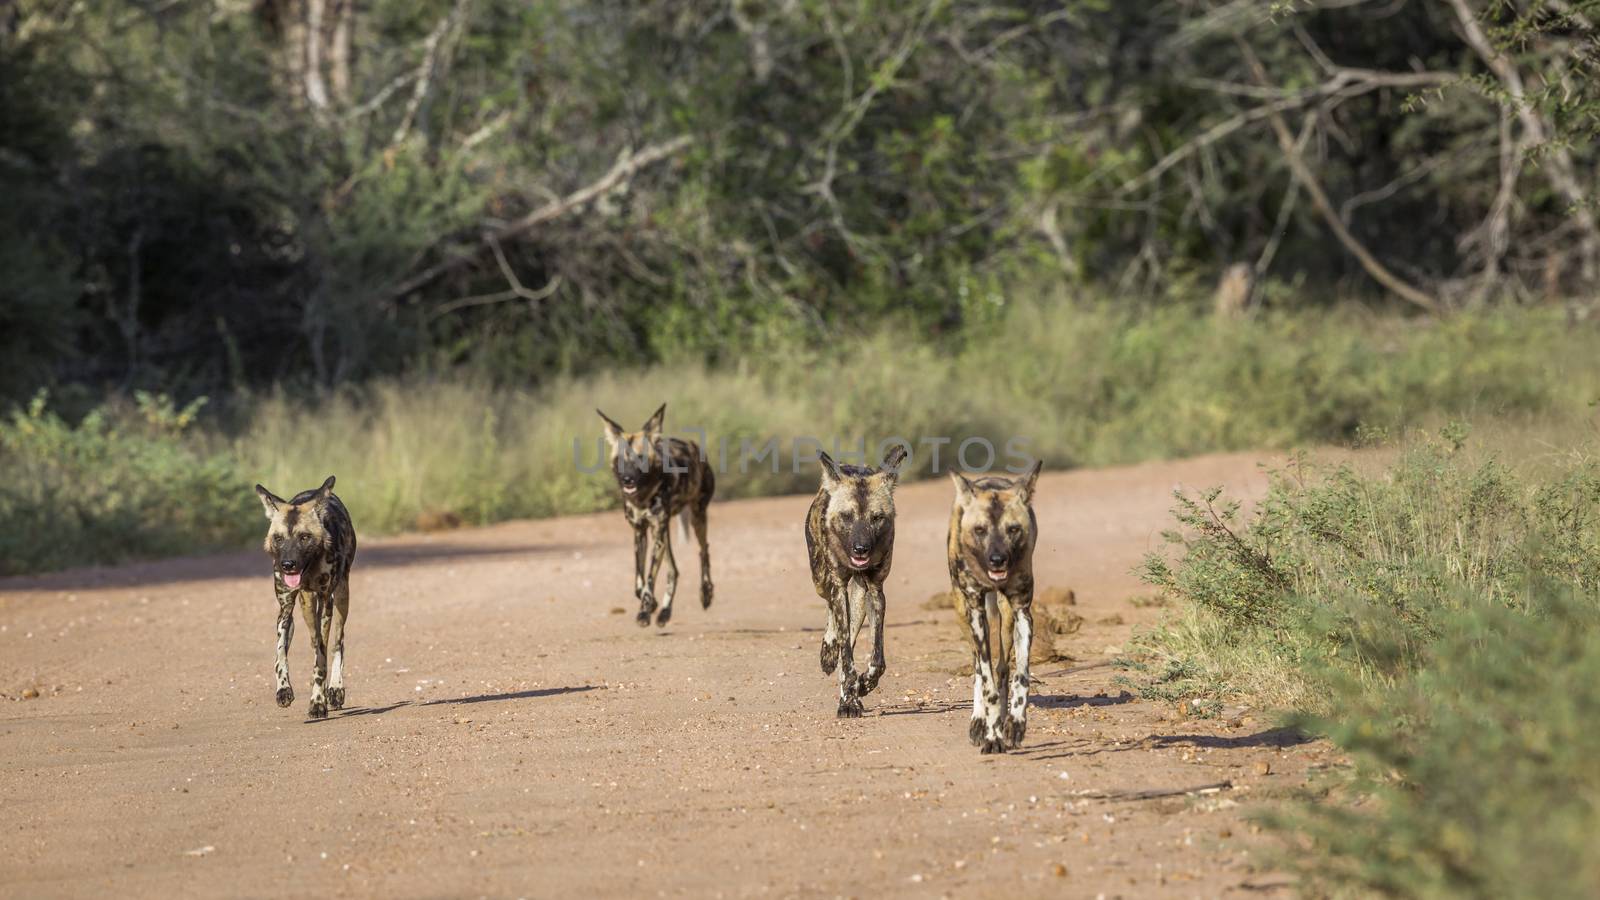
(114, 486)
(1440, 623)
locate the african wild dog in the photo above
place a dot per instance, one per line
(660, 478)
(312, 544)
(850, 539)
(992, 533)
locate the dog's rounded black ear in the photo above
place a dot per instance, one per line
(830, 469)
(320, 498)
(652, 425)
(1027, 481)
(613, 430)
(893, 460)
(962, 483)
(269, 501)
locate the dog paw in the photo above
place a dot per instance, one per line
(830, 657)
(850, 709)
(867, 682)
(975, 732)
(647, 607)
(336, 698)
(664, 616)
(318, 710)
(705, 595)
(285, 696)
(992, 745)
(1012, 731)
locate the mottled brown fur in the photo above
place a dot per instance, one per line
(313, 545)
(850, 542)
(992, 534)
(660, 478)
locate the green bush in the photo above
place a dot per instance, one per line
(1397, 549)
(1440, 622)
(1474, 771)
(119, 484)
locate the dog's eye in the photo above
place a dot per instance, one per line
(980, 530)
(277, 540)
(847, 516)
(305, 538)
(1013, 530)
(879, 518)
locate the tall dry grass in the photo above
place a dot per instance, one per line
(1079, 383)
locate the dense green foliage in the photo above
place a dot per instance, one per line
(1439, 621)
(1078, 384)
(121, 483)
(1474, 773)
(204, 197)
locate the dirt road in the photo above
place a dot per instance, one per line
(510, 732)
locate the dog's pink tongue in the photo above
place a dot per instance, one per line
(291, 581)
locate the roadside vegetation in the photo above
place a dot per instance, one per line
(1083, 383)
(1438, 618)
(415, 243)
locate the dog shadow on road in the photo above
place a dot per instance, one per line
(1071, 701)
(1272, 737)
(456, 701)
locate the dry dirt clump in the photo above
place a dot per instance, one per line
(1053, 619)
(437, 520)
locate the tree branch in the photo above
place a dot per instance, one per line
(624, 168)
(1291, 196)
(1560, 170)
(1345, 83)
(1319, 198)
(381, 96)
(515, 291)
(424, 76)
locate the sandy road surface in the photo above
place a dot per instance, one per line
(509, 735)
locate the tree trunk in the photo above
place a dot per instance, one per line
(340, 51)
(316, 89)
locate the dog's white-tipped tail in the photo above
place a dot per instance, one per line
(683, 528)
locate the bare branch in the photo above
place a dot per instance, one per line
(1494, 231)
(1319, 198)
(486, 132)
(624, 168)
(855, 109)
(424, 74)
(516, 290)
(1384, 192)
(1559, 168)
(1291, 196)
(381, 96)
(1345, 83)
(1011, 34)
